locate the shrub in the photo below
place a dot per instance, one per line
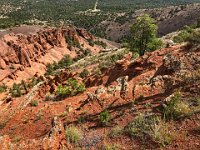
(15, 90)
(81, 119)
(101, 43)
(3, 88)
(150, 126)
(80, 89)
(34, 103)
(104, 117)
(182, 36)
(24, 85)
(115, 132)
(49, 97)
(63, 63)
(110, 147)
(194, 39)
(84, 73)
(175, 107)
(63, 91)
(73, 135)
(50, 70)
(91, 42)
(71, 89)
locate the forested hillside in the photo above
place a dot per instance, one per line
(14, 12)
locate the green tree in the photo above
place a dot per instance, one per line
(143, 35)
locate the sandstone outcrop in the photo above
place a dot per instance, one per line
(18, 52)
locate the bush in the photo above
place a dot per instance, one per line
(50, 70)
(155, 44)
(15, 90)
(91, 42)
(63, 91)
(175, 107)
(34, 103)
(84, 73)
(110, 147)
(63, 63)
(150, 126)
(115, 132)
(3, 88)
(183, 35)
(101, 43)
(104, 117)
(194, 39)
(71, 89)
(73, 135)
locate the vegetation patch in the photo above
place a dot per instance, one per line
(71, 88)
(150, 126)
(104, 118)
(73, 134)
(115, 132)
(34, 103)
(3, 88)
(110, 147)
(174, 108)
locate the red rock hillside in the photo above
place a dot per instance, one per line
(21, 55)
(103, 115)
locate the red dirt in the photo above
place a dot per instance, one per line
(153, 77)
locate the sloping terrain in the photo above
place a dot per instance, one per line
(169, 19)
(104, 114)
(26, 50)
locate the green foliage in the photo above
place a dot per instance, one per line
(63, 63)
(71, 42)
(115, 132)
(71, 89)
(175, 107)
(143, 35)
(3, 88)
(24, 85)
(50, 69)
(101, 43)
(198, 23)
(84, 73)
(73, 134)
(183, 35)
(110, 147)
(63, 91)
(66, 11)
(34, 103)
(34, 81)
(194, 39)
(81, 119)
(155, 44)
(150, 126)
(104, 117)
(15, 90)
(91, 42)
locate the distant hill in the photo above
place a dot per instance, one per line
(169, 19)
(51, 12)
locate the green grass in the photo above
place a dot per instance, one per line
(150, 126)
(115, 132)
(73, 134)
